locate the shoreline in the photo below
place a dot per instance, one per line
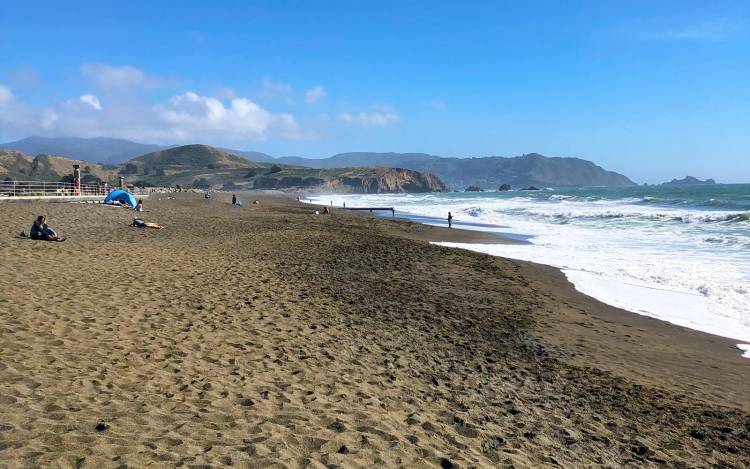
(267, 335)
(683, 309)
(587, 318)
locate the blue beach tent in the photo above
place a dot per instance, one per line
(121, 196)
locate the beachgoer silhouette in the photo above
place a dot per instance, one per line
(450, 220)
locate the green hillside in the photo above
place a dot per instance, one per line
(19, 167)
(205, 167)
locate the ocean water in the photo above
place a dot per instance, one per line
(681, 254)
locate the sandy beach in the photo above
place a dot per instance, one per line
(268, 336)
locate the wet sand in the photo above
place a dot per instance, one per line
(269, 336)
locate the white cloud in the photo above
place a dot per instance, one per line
(24, 76)
(224, 92)
(314, 94)
(6, 96)
(191, 114)
(277, 90)
(718, 29)
(91, 100)
(49, 117)
(382, 115)
(187, 117)
(16, 117)
(118, 76)
(120, 106)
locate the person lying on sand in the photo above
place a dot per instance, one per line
(41, 231)
(137, 222)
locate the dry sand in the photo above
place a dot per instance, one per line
(266, 336)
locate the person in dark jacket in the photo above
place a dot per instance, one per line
(41, 231)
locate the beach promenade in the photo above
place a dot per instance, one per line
(268, 336)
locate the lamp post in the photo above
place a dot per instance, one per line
(76, 179)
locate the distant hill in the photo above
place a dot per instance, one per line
(93, 150)
(19, 167)
(688, 181)
(350, 180)
(185, 164)
(488, 172)
(254, 156)
(204, 167)
(191, 156)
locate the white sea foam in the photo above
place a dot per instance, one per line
(686, 266)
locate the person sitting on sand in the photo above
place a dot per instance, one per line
(40, 230)
(139, 206)
(137, 222)
(236, 201)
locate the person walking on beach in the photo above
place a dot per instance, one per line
(450, 220)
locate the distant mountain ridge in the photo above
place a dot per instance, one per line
(94, 150)
(208, 167)
(487, 172)
(205, 167)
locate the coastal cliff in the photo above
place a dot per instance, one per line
(385, 180)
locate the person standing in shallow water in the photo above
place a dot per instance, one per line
(450, 220)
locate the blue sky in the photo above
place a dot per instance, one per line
(652, 89)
